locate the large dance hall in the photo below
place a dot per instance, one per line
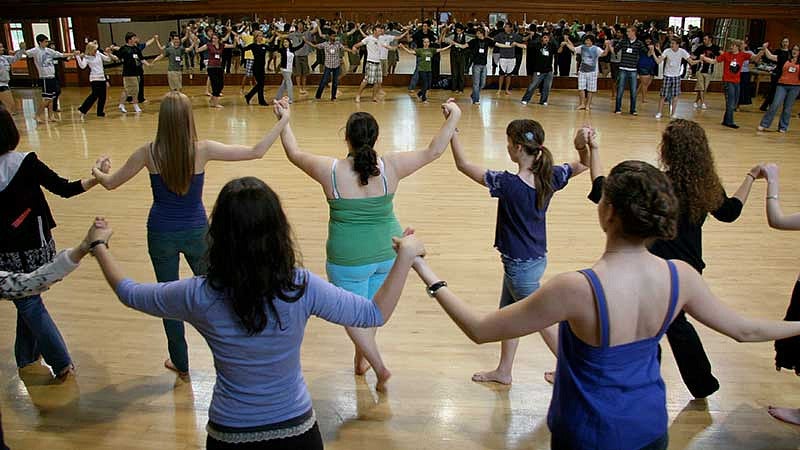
(352, 188)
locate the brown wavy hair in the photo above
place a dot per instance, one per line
(529, 134)
(643, 198)
(687, 159)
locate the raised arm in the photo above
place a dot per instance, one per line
(474, 172)
(134, 164)
(775, 215)
(704, 306)
(547, 306)
(406, 163)
(581, 142)
(444, 49)
(81, 61)
(216, 151)
(317, 167)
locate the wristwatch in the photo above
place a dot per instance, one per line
(434, 288)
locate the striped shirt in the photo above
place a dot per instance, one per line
(630, 51)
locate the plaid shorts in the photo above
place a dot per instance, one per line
(671, 87)
(248, 67)
(587, 81)
(374, 73)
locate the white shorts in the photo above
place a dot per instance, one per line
(507, 65)
(587, 81)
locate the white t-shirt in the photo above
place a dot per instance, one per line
(373, 48)
(384, 40)
(673, 62)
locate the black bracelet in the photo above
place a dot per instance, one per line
(95, 244)
(434, 288)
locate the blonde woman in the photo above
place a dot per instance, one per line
(97, 77)
(177, 222)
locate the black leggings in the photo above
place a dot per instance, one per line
(310, 440)
(217, 78)
(98, 94)
(258, 74)
(693, 364)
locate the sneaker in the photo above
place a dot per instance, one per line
(695, 105)
(524, 102)
(782, 131)
(658, 115)
(674, 116)
(476, 103)
(634, 113)
(704, 106)
(102, 114)
(544, 104)
(760, 128)
(731, 125)
(122, 108)
(136, 109)
(617, 112)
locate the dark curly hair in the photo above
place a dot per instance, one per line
(361, 132)
(687, 159)
(642, 197)
(251, 252)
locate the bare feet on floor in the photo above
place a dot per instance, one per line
(550, 377)
(788, 415)
(493, 376)
(360, 365)
(182, 375)
(383, 378)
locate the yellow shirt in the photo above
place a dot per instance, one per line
(247, 40)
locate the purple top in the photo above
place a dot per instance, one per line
(259, 380)
(521, 230)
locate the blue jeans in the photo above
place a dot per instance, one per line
(325, 77)
(543, 79)
(478, 81)
(520, 278)
(731, 102)
(784, 95)
(37, 335)
(165, 249)
(414, 78)
(426, 78)
(360, 280)
(626, 77)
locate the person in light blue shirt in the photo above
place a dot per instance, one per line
(252, 308)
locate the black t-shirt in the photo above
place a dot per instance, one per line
(420, 35)
(131, 60)
(480, 49)
(540, 57)
(709, 51)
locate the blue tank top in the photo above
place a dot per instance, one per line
(609, 397)
(172, 212)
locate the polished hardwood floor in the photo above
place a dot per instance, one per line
(123, 398)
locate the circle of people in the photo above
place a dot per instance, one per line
(250, 296)
(631, 55)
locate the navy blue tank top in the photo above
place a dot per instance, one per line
(609, 397)
(173, 212)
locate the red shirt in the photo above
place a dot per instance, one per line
(790, 74)
(732, 65)
(214, 55)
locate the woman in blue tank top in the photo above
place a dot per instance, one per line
(608, 391)
(177, 222)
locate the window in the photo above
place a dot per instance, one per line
(17, 36)
(40, 28)
(681, 24)
(69, 42)
(497, 17)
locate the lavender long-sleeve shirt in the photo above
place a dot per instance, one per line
(259, 379)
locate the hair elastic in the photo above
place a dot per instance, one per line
(528, 136)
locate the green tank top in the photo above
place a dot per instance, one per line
(360, 230)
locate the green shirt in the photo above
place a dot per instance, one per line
(174, 57)
(424, 58)
(360, 230)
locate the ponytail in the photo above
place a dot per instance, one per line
(361, 132)
(543, 174)
(365, 163)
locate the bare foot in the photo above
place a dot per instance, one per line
(360, 365)
(358, 99)
(374, 100)
(508, 92)
(383, 378)
(788, 415)
(580, 107)
(169, 365)
(493, 376)
(550, 377)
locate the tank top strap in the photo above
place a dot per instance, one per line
(675, 287)
(382, 168)
(333, 179)
(602, 306)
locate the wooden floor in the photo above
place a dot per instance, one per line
(124, 399)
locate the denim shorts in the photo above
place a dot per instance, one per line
(520, 278)
(360, 280)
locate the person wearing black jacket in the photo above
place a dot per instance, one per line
(689, 163)
(458, 59)
(26, 243)
(783, 54)
(260, 49)
(540, 67)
